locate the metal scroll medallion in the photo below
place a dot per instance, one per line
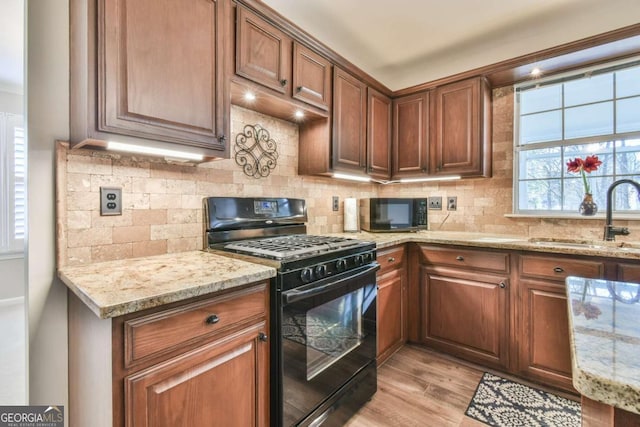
(255, 151)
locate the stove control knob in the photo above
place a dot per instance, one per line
(341, 265)
(306, 275)
(358, 260)
(321, 271)
(368, 257)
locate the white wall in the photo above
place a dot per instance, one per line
(12, 274)
(48, 120)
(11, 102)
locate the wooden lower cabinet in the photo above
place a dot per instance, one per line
(196, 363)
(466, 314)
(544, 352)
(217, 383)
(392, 315)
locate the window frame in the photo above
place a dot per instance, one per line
(518, 148)
(12, 245)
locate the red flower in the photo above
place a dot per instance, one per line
(591, 163)
(574, 165)
(588, 165)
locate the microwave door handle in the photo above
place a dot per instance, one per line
(295, 295)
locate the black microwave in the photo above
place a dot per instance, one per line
(393, 214)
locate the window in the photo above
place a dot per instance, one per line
(593, 112)
(13, 175)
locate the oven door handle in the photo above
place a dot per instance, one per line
(297, 295)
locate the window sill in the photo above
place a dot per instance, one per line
(598, 216)
(11, 255)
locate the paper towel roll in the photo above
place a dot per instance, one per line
(351, 214)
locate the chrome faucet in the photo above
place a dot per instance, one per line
(610, 232)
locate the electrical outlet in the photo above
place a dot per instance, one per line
(435, 203)
(452, 203)
(336, 203)
(110, 201)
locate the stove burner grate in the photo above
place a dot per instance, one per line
(291, 246)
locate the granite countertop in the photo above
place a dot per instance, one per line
(114, 288)
(625, 250)
(604, 320)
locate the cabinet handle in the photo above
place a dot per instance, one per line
(558, 269)
(283, 82)
(459, 258)
(263, 337)
(391, 259)
(299, 89)
(213, 319)
(503, 285)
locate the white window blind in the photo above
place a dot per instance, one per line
(13, 175)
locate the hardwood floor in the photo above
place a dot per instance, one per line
(419, 387)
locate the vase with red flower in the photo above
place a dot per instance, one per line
(590, 163)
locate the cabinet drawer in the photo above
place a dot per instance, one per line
(475, 259)
(629, 273)
(167, 330)
(390, 258)
(559, 268)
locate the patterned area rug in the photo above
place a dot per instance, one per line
(501, 403)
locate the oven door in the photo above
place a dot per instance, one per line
(328, 335)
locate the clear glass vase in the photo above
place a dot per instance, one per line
(588, 207)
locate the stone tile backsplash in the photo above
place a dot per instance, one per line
(162, 202)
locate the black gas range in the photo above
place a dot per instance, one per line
(323, 306)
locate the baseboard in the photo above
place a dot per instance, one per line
(8, 302)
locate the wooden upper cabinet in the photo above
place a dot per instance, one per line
(349, 122)
(461, 132)
(263, 52)
(157, 72)
(311, 77)
(379, 135)
(410, 135)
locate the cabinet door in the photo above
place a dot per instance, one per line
(379, 135)
(224, 382)
(311, 77)
(160, 70)
(628, 273)
(465, 314)
(263, 53)
(391, 315)
(461, 142)
(349, 122)
(410, 135)
(545, 353)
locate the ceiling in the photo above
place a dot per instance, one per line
(417, 41)
(11, 45)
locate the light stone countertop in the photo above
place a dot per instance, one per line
(623, 250)
(115, 288)
(604, 323)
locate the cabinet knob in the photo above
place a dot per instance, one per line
(283, 82)
(558, 269)
(213, 319)
(503, 285)
(263, 337)
(459, 258)
(370, 168)
(222, 138)
(423, 170)
(391, 259)
(299, 89)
